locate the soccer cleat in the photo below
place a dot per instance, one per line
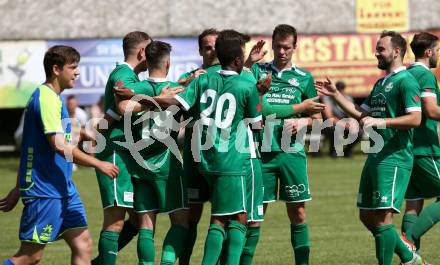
(408, 244)
(417, 260)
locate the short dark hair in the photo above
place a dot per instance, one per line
(230, 34)
(229, 45)
(421, 42)
(206, 32)
(131, 40)
(155, 52)
(397, 41)
(59, 55)
(284, 30)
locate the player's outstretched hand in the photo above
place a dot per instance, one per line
(373, 122)
(256, 54)
(326, 88)
(10, 201)
(263, 85)
(123, 92)
(169, 93)
(312, 107)
(189, 79)
(108, 169)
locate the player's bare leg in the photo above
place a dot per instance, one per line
(28, 253)
(80, 243)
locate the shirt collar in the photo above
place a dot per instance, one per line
(280, 71)
(421, 64)
(227, 72)
(157, 79)
(129, 66)
(395, 71)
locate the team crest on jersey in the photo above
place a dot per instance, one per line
(389, 87)
(293, 82)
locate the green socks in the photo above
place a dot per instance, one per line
(126, 235)
(401, 249)
(236, 238)
(252, 236)
(408, 221)
(213, 244)
(385, 238)
(108, 247)
(299, 238)
(173, 244)
(145, 247)
(428, 217)
(187, 250)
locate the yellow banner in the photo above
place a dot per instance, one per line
(379, 15)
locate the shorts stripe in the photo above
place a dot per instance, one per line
(114, 180)
(252, 192)
(435, 166)
(392, 191)
(243, 193)
(181, 192)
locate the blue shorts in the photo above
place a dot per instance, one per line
(45, 220)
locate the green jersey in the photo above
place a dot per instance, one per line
(394, 96)
(128, 78)
(289, 86)
(158, 129)
(226, 102)
(426, 141)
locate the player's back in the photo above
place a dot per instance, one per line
(227, 102)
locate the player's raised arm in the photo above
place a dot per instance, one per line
(328, 89)
(256, 54)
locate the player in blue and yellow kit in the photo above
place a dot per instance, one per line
(52, 206)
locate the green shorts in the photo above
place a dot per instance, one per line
(254, 191)
(119, 191)
(162, 190)
(290, 169)
(425, 178)
(228, 194)
(198, 188)
(382, 186)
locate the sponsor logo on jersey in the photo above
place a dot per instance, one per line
(389, 87)
(293, 82)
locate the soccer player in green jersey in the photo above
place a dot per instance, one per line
(52, 206)
(206, 41)
(291, 91)
(222, 99)
(157, 179)
(117, 195)
(391, 111)
(198, 190)
(425, 176)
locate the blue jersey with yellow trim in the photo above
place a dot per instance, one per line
(44, 173)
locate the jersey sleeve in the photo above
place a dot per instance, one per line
(410, 91)
(428, 85)
(252, 113)
(50, 110)
(190, 96)
(310, 91)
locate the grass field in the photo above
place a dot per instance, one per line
(337, 235)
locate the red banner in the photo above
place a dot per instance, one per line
(346, 57)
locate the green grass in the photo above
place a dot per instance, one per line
(337, 236)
